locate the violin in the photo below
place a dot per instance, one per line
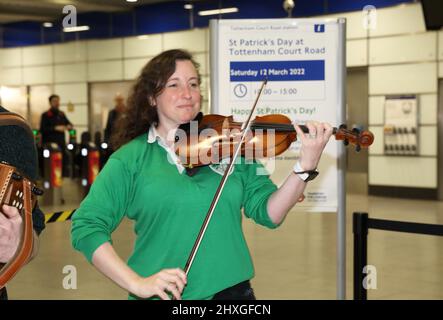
(210, 138)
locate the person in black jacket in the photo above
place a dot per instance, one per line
(17, 149)
(53, 125)
(114, 116)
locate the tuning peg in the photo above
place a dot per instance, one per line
(37, 191)
(346, 142)
(357, 148)
(16, 176)
(356, 130)
(343, 126)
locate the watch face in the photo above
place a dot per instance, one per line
(312, 175)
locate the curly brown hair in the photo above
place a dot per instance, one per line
(141, 113)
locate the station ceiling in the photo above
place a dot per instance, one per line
(48, 10)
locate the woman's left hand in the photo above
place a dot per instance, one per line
(312, 144)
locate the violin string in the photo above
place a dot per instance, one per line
(290, 127)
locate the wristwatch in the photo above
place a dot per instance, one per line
(305, 175)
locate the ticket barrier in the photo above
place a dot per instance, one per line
(52, 174)
(103, 148)
(89, 165)
(72, 151)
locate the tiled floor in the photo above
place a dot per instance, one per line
(295, 261)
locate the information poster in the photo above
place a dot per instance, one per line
(302, 61)
(401, 125)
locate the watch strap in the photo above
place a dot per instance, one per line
(305, 175)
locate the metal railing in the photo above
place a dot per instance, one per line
(361, 225)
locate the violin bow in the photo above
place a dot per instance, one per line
(246, 128)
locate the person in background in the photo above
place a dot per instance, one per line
(53, 125)
(114, 116)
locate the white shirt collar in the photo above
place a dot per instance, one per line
(154, 136)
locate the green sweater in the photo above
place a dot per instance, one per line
(168, 208)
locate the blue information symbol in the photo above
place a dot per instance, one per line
(319, 28)
(240, 90)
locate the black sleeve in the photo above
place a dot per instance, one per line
(109, 125)
(38, 219)
(46, 126)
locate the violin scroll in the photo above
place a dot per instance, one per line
(355, 137)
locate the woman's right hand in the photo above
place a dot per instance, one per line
(10, 226)
(160, 284)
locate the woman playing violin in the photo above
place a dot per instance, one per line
(145, 182)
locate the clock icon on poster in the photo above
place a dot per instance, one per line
(240, 90)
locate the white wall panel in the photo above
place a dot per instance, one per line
(76, 93)
(38, 75)
(440, 45)
(410, 48)
(105, 49)
(376, 110)
(406, 18)
(70, 52)
(207, 40)
(11, 76)
(440, 69)
(204, 87)
(428, 141)
(428, 108)
(142, 46)
(73, 72)
(377, 146)
(356, 53)
(11, 57)
(37, 55)
(205, 107)
(78, 117)
(405, 78)
(201, 58)
(105, 71)
(419, 172)
(193, 40)
(14, 98)
(354, 23)
(133, 67)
